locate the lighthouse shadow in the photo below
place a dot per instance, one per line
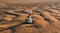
(26, 22)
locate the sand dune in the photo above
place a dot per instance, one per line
(46, 19)
(29, 2)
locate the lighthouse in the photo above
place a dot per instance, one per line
(30, 17)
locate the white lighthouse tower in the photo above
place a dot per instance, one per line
(30, 17)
